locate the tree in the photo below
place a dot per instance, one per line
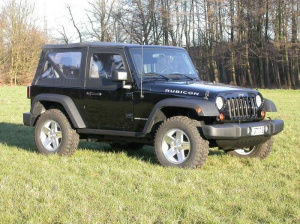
(101, 19)
(20, 44)
(141, 21)
(252, 43)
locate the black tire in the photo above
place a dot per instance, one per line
(178, 143)
(258, 151)
(54, 134)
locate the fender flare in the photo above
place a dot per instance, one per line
(269, 106)
(65, 101)
(208, 109)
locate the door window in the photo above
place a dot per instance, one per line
(102, 65)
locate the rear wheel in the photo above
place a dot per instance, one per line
(178, 143)
(259, 151)
(54, 134)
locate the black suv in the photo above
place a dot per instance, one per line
(130, 95)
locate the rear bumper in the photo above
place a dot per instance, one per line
(28, 119)
(234, 135)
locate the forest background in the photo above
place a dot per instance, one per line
(249, 43)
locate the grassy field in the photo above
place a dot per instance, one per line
(100, 185)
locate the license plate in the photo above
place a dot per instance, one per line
(257, 130)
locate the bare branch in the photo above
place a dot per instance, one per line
(74, 23)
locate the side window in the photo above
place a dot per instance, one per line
(49, 72)
(67, 62)
(102, 65)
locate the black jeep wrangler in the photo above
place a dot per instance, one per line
(131, 94)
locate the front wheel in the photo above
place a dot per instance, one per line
(259, 151)
(178, 143)
(54, 134)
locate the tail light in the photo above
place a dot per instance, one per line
(28, 92)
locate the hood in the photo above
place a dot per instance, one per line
(197, 89)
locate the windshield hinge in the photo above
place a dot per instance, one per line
(206, 95)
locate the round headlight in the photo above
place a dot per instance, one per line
(219, 102)
(258, 100)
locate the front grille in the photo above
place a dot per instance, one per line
(241, 107)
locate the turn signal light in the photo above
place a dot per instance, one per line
(198, 110)
(263, 114)
(221, 117)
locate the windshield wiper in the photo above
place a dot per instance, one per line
(154, 74)
(186, 76)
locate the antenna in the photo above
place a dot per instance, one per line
(142, 67)
(45, 21)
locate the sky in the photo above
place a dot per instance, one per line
(57, 15)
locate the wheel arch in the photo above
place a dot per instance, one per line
(269, 106)
(179, 106)
(43, 102)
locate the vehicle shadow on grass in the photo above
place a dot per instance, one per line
(17, 135)
(216, 152)
(143, 153)
(22, 137)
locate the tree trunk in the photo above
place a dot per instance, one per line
(248, 71)
(233, 75)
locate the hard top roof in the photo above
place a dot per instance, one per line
(97, 44)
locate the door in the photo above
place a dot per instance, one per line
(107, 104)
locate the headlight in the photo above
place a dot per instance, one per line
(258, 100)
(219, 102)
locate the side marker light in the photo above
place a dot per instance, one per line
(263, 114)
(221, 117)
(198, 110)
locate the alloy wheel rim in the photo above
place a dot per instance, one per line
(176, 146)
(51, 135)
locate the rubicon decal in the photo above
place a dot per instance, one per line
(185, 92)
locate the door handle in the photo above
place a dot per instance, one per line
(93, 93)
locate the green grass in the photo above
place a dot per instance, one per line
(100, 185)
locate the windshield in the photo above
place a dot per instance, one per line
(163, 63)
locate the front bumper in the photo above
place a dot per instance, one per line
(237, 135)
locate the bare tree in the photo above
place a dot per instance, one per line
(141, 21)
(20, 43)
(102, 17)
(74, 23)
(64, 36)
(254, 43)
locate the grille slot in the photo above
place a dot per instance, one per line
(241, 107)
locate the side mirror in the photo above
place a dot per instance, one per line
(119, 75)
